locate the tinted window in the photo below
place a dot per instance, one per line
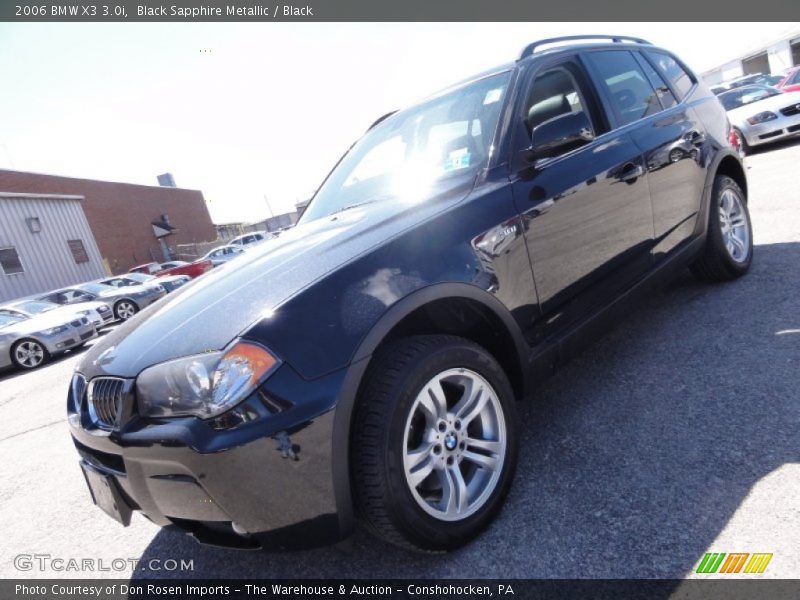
(680, 80)
(662, 89)
(553, 93)
(631, 94)
(796, 78)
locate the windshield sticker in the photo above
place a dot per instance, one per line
(492, 96)
(457, 159)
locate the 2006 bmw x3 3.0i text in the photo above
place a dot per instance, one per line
(365, 365)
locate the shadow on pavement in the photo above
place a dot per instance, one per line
(633, 458)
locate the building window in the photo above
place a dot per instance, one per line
(78, 251)
(34, 226)
(10, 262)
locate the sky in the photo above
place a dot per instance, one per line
(255, 114)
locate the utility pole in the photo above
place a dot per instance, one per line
(271, 214)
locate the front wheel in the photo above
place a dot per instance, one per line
(28, 354)
(434, 444)
(125, 309)
(729, 242)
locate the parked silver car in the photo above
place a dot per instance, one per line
(125, 301)
(222, 254)
(169, 282)
(761, 114)
(29, 339)
(99, 313)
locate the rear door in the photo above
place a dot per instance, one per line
(647, 93)
(587, 213)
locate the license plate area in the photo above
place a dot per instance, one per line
(106, 494)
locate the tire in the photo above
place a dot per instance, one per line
(744, 147)
(719, 262)
(393, 419)
(29, 354)
(125, 309)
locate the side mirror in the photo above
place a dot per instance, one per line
(559, 135)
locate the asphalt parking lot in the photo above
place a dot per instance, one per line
(675, 435)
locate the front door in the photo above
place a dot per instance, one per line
(587, 212)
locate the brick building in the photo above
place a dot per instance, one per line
(125, 218)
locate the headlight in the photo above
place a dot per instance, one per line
(762, 117)
(204, 385)
(55, 330)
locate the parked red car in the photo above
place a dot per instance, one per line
(179, 267)
(791, 83)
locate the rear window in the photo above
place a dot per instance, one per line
(680, 80)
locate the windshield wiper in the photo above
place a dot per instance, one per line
(358, 204)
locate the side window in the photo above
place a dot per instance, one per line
(553, 93)
(631, 94)
(796, 78)
(680, 80)
(662, 89)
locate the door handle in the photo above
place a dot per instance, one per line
(631, 173)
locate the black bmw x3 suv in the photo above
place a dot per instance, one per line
(365, 365)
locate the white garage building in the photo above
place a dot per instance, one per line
(773, 58)
(45, 243)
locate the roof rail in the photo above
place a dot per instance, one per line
(617, 39)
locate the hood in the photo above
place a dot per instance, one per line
(208, 314)
(773, 104)
(52, 318)
(73, 311)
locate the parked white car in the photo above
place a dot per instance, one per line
(761, 114)
(222, 254)
(249, 239)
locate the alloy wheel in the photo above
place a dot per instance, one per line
(734, 225)
(454, 444)
(125, 310)
(29, 354)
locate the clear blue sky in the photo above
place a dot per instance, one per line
(243, 110)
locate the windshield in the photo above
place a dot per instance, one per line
(36, 306)
(140, 277)
(9, 318)
(746, 95)
(95, 288)
(438, 142)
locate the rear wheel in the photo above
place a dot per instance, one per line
(729, 243)
(29, 354)
(434, 444)
(125, 309)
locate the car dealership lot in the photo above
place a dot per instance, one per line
(674, 435)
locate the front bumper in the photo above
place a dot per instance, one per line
(73, 336)
(772, 131)
(271, 477)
